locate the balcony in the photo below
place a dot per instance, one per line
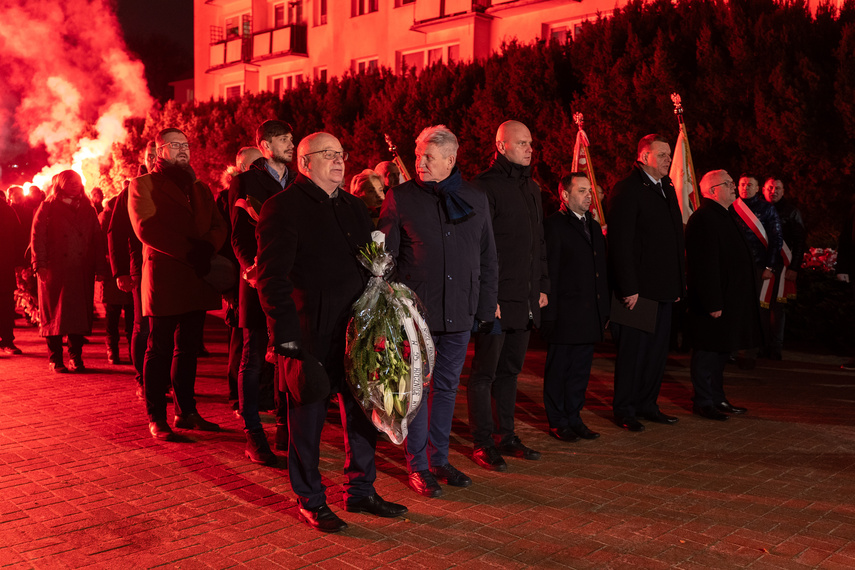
(279, 42)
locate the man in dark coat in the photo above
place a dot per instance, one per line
(647, 260)
(13, 238)
(438, 228)
(517, 217)
(723, 304)
(308, 279)
(125, 251)
(576, 315)
(845, 269)
(266, 177)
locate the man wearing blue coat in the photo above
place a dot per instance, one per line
(438, 228)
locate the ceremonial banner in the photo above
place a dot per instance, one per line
(683, 175)
(582, 163)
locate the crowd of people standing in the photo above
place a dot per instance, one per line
(280, 244)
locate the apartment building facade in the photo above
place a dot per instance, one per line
(249, 46)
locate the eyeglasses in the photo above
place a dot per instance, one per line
(728, 183)
(329, 154)
(176, 146)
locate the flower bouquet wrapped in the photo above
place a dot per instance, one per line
(252, 206)
(390, 353)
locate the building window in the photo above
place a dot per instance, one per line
(321, 74)
(366, 65)
(563, 32)
(295, 12)
(232, 27)
(434, 56)
(399, 3)
(233, 91)
(322, 8)
(454, 53)
(279, 15)
(414, 61)
(277, 86)
(360, 7)
(417, 60)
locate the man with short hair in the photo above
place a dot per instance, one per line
(646, 260)
(723, 305)
(390, 172)
(794, 235)
(246, 156)
(438, 229)
(266, 176)
(761, 227)
(575, 318)
(516, 214)
(174, 216)
(308, 279)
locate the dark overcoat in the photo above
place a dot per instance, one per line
(66, 241)
(451, 267)
(110, 292)
(169, 222)
(308, 272)
(721, 277)
(258, 183)
(517, 217)
(579, 301)
(646, 250)
(123, 244)
(13, 240)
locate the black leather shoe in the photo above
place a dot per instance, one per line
(710, 413)
(516, 448)
(632, 424)
(322, 519)
(451, 475)
(161, 430)
(10, 348)
(490, 458)
(59, 368)
(729, 408)
(258, 450)
(424, 483)
(195, 421)
(76, 365)
(377, 506)
(582, 431)
(564, 434)
(660, 418)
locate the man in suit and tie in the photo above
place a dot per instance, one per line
(576, 315)
(646, 260)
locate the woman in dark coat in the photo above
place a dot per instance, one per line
(115, 300)
(68, 250)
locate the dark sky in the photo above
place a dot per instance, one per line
(160, 33)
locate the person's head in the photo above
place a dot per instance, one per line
(390, 173)
(654, 154)
(67, 184)
(96, 195)
(718, 185)
(748, 186)
(773, 189)
(368, 185)
(149, 155)
(513, 140)
(601, 193)
(320, 157)
(246, 156)
(574, 190)
(275, 140)
(172, 146)
(15, 194)
(436, 153)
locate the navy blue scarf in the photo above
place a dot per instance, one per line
(457, 210)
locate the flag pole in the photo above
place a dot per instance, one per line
(678, 110)
(582, 161)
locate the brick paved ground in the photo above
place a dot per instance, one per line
(82, 484)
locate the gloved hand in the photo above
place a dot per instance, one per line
(200, 256)
(289, 350)
(484, 327)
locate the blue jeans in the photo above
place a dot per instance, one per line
(251, 361)
(429, 431)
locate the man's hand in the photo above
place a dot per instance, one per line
(843, 277)
(630, 301)
(767, 274)
(289, 350)
(715, 314)
(125, 283)
(542, 301)
(498, 311)
(484, 327)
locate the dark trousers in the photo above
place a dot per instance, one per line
(173, 346)
(430, 429)
(305, 423)
(777, 319)
(54, 345)
(708, 377)
(497, 362)
(139, 336)
(113, 314)
(565, 380)
(640, 365)
(7, 316)
(251, 363)
(235, 353)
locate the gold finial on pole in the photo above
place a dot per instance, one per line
(678, 103)
(579, 119)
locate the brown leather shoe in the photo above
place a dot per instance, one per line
(160, 430)
(195, 421)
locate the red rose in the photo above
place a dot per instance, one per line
(380, 344)
(406, 350)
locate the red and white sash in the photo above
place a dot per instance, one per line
(786, 289)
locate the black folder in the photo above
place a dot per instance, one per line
(642, 316)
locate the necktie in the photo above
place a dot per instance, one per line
(585, 228)
(659, 186)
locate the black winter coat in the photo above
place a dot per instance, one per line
(517, 217)
(258, 183)
(451, 267)
(124, 246)
(646, 251)
(308, 273)
(721, 278)
(793, 231)
(578, 305)
(13, 240)
(764, 256)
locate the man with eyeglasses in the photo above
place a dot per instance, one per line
(438, 228)
(175, 217)
(646, 261)
(724, 311)
(308, 279)
(517, 218)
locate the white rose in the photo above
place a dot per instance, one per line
(378, 237)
